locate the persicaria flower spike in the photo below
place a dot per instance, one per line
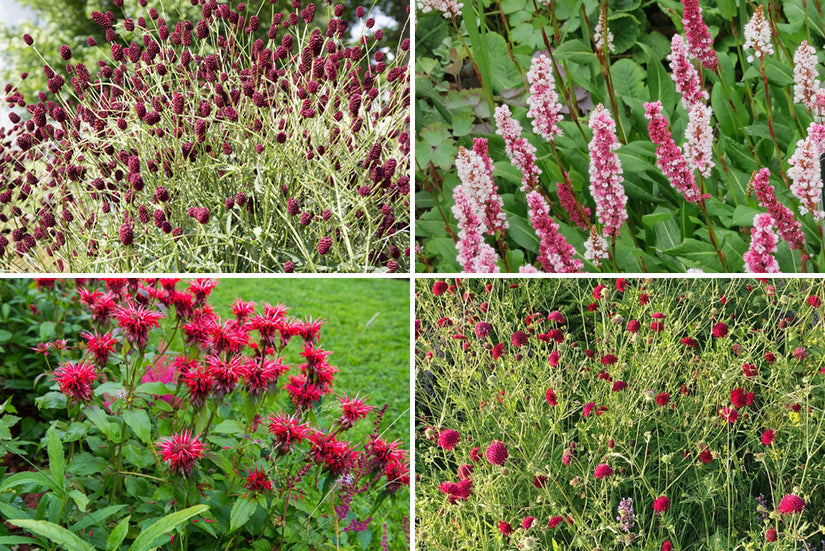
(805, 171)
(522, 154)
(450, 8)
(805, 77)
(595, 248)
(758, 35)
(759, 259)
(700, 43)
(475, 173)
(555, 253)
(474, 255)
(699, 139)
(181, 451)
(75, 380)
(669, 157)
(602, 32)
(606, 173)
(684, 74)
(786, 225)
(543, 100)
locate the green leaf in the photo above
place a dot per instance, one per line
(80, 499)
(628, 78)
(505, 73)
(118, 535)
(54, 534)
(576, 51)
(242, 509)
(57, 462)
(463, 123)
(96, 517)
(522, 233)
(47, 329)
(148, 536)
(138, 421)
(626, 30)
(743, 216)
(29, 477)
(697, 254)
(98, 417)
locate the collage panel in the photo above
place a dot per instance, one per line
(197, 136)
(205, 414)
(619, 137)
(597, 413)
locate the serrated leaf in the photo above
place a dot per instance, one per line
(54, 534)
(118, 535)
(138, 421)
(148, 536)
(242, 509)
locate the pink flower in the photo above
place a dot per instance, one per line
(287, 431)
(603, 470)
(521, 153)
(543, 99)
(786, 225)
(136, 322)
(258, 482)
(475, 173)
(661, 505)
(758, 35)
(75, 380)
(555, 253)
(596, 248)
(791, 504)
(450, 8)
(684, 74)
(353, 409)
(578, 214)
(668, 155)
(100, 345)
(700, 43)
(474, 255)
(497, 452)
(759, 259)
(805, 171)
(805, 76)
(181, 451)
(554, 521)
(729, 414)
(768, 437)
(448, 439)
(606, 173)
(588, 408)
(699, 139)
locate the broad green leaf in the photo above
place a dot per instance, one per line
(118, 535)
(29, 477)
(628, 78)
(504, 72)
(96, 518)
(54, 534)
(138, 421)
(242, 509)
(697, 254)
(626, 30)
(522, 233)
(148, 536)
(99, 418)
(80, 499)
(463, 123)
(574, 50)
(57, 462)
(47, 329)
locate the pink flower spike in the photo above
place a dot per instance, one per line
(475, 173)
(521, 153)
(805, 77)
(543, 100)
(595, 248)
(699, 139)
(759, 259)
(668, 155)
(450, 8)
(474, 255)
(555, 253)
(578, 214)
(805, 171)
(700, 43)
(786, 225)
(684, 74)
(606, 173)
(758, 35)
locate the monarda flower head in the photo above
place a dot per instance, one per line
(543, 100)
(352, 409)
(700, 43)
(258, 482)
(805, 171)
(287, 431)
(606, 173)
(136, 322)
(100, 345)
(75, 380)
(758, 35)
(181, 451)
(555, 253)
(684, 74)
(788, 227)
(669, 157)
(521, 153)
(475, 173)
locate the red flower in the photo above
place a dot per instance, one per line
(662, 399)
(768, 437)
(465, 470)
(737, 398)
(814, 301)
(540, 481)
(666, 546)
(353, 409)
(633, 326)
(136, 322)
(457, 492)
(687, 341)
(588, 408)
(519, 338)
(527, 522)
(201, 288)
(555, 521)
(181, 451)
(228, 337)
(609, 359)
(224, 374)
(644, 299)
(448, 439)
(287, 431)
(603, 470)
(505, 528)
(720, 330)
(791, 504)
(550, 396)
(729, 414)
(439, 288)
(770, 357)
(200, 382)
(75, 380)
(555, 316)
(750, 371)
(262, 375)
(100, 345)
(706, 456)
(621, 284)
(483, 329)
(661, 504)
(498, 351)
(474, 454)
(242, 309)
(553, 360)
(258, 482)
(597, 291)
(619, 386)
(770, 535)
(657, 326)
(497, 452)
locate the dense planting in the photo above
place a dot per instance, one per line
(193, 145)
(651, 415)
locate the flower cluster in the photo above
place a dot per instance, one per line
(606, 173)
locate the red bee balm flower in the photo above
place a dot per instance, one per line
(602, 471)
(448, 439)
(497, 452)
(181, 451)
(75, 380)
(661, 504)
(288, 431)
(100, 345)
(352, 410)
(791, 504)
(257, 481)
(136, 322)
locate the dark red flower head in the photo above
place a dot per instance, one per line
(791, 504)
(181, 451)
(661, 504)
(519, 338)
(136, 322)
(448, 439)
(258, 482)
(720, 330)
(75, 380)
(353, 409)
(602, 471)
(287, 431)
(100, 345)
(497, 452)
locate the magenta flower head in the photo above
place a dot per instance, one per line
(555, 253)
(100, 345)
(700, 43)
(136, 322)
(258, 482)
(497, 452)
(543, 100)
(475, 171)
(448, 439)
(668, 155)
(75, 380)
(759, 259)
(352, 409)
(661, 505)
(474, 255)
(287, 431)
(181, 451)
(791, 504)
(786, 225)
(483, 329)
(603, 470)
(521, 153)
(684, 74)
(606, 173)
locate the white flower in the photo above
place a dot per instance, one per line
(758, 35)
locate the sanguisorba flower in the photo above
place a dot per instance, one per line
(758, 35)
(75, 380)
(759, 259)
(543, 101)
(606, 173)
(136, 322)
(700, 43)
(669, 157)
(181, 451)
(791, 504)
(786, 225)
